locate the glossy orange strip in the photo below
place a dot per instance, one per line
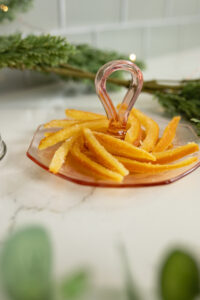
(149, 168)
(151, 127)
(102, 155)
(168, 135)
(122, 148)
(93, 166)
(83, 115)
(66, 133)
(175, 154)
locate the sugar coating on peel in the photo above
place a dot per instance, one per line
(122, 148)
(66, 133)
(138, 167)
(151, 127)
(60, 156)
(83, 115)
(94, 166)
(60, 123)
(102, 155)
(133, 134)
(168, 135)
(175, 154)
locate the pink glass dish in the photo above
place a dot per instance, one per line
(118, 119)
(185, 134)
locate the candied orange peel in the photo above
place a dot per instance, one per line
(168, 135)
(151, 127)
(85, 138)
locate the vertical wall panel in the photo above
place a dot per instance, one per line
(124, 40)
(183, 8)
(190, 36)
(163, 40)
(79, 38)
(44, 14)
(86, 12)
(145, 9)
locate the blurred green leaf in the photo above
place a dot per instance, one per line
(179, 278)
(75, 285)
(130, 288)
(185, 102)
(26, 265)
(34, 52)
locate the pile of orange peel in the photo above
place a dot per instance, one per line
(84, 137)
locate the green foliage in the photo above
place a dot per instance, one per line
(26, 272)
(74, 286)
(185, 102)
(51, 54)
(33, 52)
(26, 263)
(14, 6)
(45, 52)
(179, 278)
(91, 59)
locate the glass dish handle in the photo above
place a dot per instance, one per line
(119, 117)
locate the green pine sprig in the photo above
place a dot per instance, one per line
(184, 101)
(34, 52)
(53, 54)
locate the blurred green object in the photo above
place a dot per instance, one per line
(185, 101)
(131, 291)
(179, 278)
(34, 52)
(9, 8)
(26, 265)
(54, 54)
(72, 287)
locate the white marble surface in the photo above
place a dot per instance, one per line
(85, 223)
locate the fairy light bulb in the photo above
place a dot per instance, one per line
(4, 7)
(132, 57)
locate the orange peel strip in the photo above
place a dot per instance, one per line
(66, 133)
(122, 148)
(133, 134)
(168, 135)
(83, 115)
(60, 155)
(138, 167)
(102, 155)
(48, 133)
(152, 130)
(177, 153)
(170, 146)
(93, 166)
(60, 123)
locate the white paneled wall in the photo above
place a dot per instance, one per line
(146, 27)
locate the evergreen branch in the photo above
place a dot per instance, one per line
(185, 101)
(33, 52)
(9, 8)
(51, 54)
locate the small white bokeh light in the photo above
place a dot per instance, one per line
(132, 57)
(2, 148)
